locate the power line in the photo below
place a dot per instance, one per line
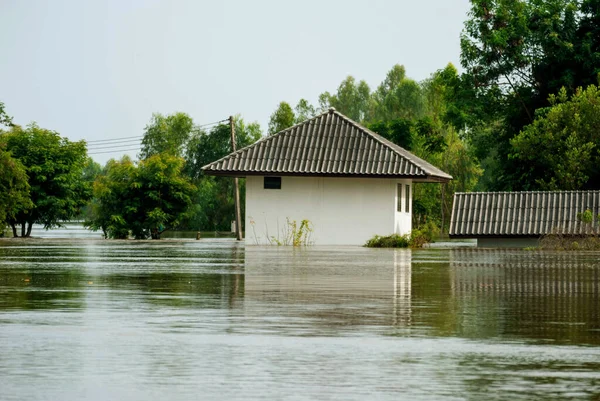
(216, 122)
(138, 137)
(123, 144)
(114, 147)
(113, 151)
(125, 138)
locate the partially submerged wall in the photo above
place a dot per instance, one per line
(342, 211)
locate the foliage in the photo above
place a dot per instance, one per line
(400, 131)
(213, 206)
(282, 118)
(5, 119)
(298, 235)
(304, 111)
(398, 97)
(112, 199)
(390, 241)
(417, 238)
(54, 166)
(516, 54)
(166, 134)
(145, 199)
(351, 99)
(586, 216)
(558, 242)
(559, 151)
(14, 188)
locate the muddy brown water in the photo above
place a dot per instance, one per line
(212, 319)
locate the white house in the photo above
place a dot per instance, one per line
(347, 181)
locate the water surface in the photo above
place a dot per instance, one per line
(210, 319)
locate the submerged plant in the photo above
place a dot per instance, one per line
(389, 241)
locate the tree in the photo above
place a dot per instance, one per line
(213, 201)
(146, 199)
(14, 188)
(282, 118)
(398, 97)
(166, 134)
(165, 194)
(54, 166)
(304, 111)
(516, 54)
(5, 119)
(560, 151)
(351, 99)
(113, 198)
(206, 147)
(399, 131)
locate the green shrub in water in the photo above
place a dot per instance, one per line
(389, 241)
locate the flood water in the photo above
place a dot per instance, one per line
(211, 319)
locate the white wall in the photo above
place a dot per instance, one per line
(343, 211)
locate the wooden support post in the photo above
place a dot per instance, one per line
(236, 188)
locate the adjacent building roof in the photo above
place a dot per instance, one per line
(523, 214)
(329, 145)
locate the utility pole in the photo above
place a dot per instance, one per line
(236, 188)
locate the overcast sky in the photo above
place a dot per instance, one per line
(99, 69)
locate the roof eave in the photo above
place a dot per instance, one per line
(415, 178)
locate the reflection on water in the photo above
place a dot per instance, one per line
(547, 296)
(328, 291)
(142, 320)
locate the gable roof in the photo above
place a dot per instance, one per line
(329, 145)
(514, 214)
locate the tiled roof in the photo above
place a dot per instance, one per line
(500, 214)
(329, 144)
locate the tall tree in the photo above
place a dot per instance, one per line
(5, 119)
(516, 53)
(560, 150)
(352, 99)
(54, 166)
(398, 97)
(166, 134)
(304, 111)
(282, 118)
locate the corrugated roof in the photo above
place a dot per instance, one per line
(499, 214)
(329, 144)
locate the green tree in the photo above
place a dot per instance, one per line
(166, 195)
(146, 199)
(213, 206)
(54, 166)
(166, 134)
(399, 131)
(560, 151)
(398, 97)
(114, 197)
(5, 119)
(282, 118)
(351, 99)
(14, 188)
(304, 111)
(516, 54)
(205, 147)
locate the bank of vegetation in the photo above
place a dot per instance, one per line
(524, 114)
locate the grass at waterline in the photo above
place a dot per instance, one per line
(557, 242)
